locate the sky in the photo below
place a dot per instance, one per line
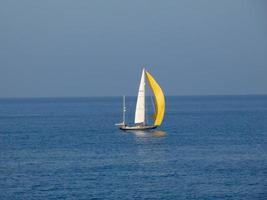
(64, 48)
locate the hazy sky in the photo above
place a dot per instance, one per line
(93, 47)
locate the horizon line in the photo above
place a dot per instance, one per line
(104, 96)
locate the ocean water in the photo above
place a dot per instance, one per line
(209, 147)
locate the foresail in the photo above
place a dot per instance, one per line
(159, 99)
(140, 104)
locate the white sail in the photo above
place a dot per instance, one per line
(140, 104)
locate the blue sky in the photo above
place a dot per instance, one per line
(98, 48)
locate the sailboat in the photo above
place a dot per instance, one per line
(140, 110)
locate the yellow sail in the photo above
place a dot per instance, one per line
(159, 99)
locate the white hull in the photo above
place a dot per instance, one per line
(137, 127)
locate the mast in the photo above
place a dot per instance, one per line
(123, 111)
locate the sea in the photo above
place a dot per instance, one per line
(208, 148)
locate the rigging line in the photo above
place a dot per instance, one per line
(152, 99)
(153, 105)
(146, 112)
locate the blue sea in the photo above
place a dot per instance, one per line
(208, 147)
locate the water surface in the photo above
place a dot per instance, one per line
(209, 147)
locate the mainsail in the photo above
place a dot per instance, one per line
(159, 99)
(140, 104)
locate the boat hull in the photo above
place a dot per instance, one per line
(143, 127)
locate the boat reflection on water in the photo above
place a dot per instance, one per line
(159, 133)
(148, 133)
